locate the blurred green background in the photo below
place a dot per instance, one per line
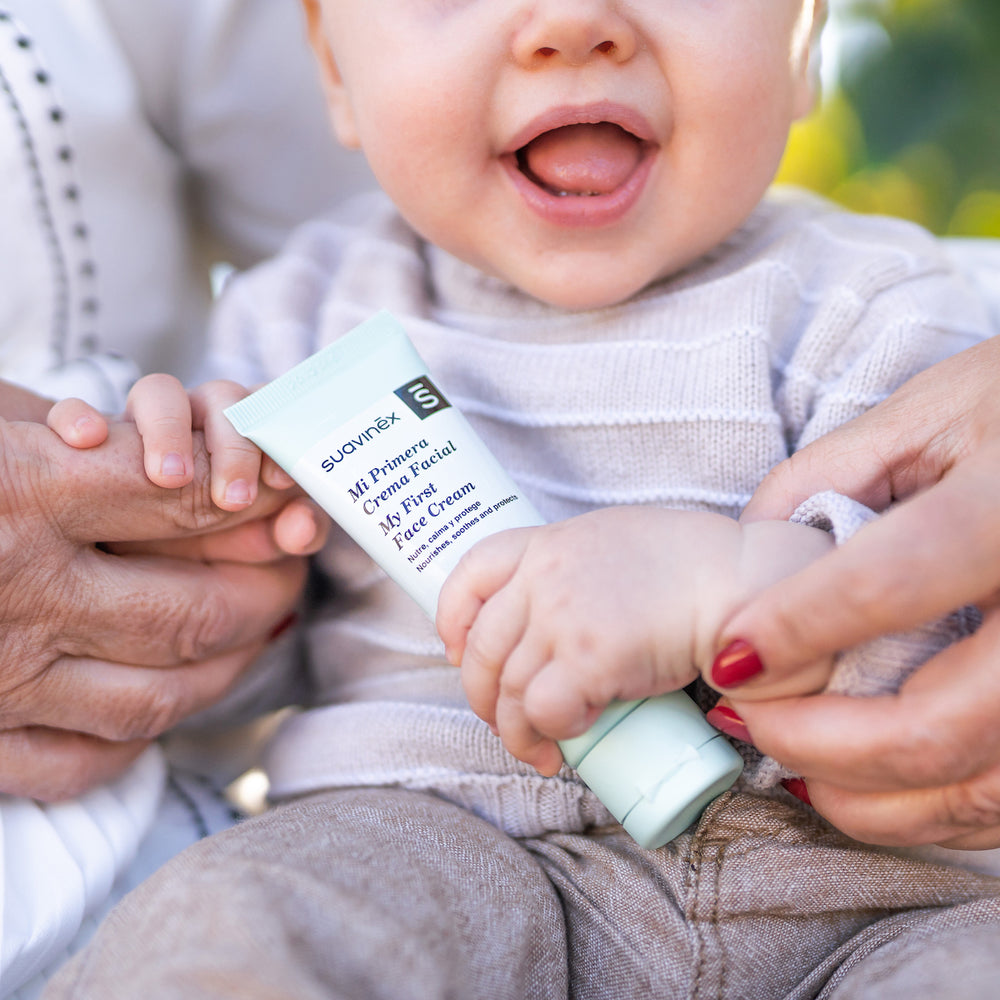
(909, 122)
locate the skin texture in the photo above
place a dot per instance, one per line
(79, 619)
(924, 765)
(444, 94)
(165, 414)
(550, 624)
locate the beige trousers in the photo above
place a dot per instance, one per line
(384, 893)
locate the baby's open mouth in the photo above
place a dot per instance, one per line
(585, 160)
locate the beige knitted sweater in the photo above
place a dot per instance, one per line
(684, 396)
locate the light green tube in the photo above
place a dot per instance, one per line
(368, 435)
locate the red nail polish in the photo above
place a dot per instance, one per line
(797, 787)
(736, 664)
(729, 722)
(283, 626)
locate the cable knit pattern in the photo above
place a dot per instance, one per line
(683, 397)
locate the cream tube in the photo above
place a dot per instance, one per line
(372, 439)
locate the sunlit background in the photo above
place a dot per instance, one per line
(909, 123)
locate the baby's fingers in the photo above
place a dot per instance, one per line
(78, 423)
(483, 570)
(530, 734)
(488, 645)
(159, 407)
(235, 460)
(524, 742)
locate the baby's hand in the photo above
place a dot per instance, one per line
(77, 423)
(551, 624)
(165, 415)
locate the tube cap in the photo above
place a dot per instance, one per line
(656, 764)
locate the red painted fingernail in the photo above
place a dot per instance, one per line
(283, 626)
(736, 664)
(797, 787)
(729, 722)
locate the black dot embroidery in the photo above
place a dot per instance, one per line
(86, 269)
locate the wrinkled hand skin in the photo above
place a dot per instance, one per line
(100, 652)
(921, 766)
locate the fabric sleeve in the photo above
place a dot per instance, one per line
(872, 668)
(59, 862)
(103, 380)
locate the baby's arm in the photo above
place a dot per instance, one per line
(550, 624)
(165, 415)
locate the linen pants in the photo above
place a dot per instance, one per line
(387, 893)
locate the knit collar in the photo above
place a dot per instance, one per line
(458, 287)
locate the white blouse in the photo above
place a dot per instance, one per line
(140, 141)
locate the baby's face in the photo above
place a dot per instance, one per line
(578, 149)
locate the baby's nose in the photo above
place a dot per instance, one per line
(573, 32)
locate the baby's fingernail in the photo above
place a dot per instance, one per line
(797, 787)
(238, 492)
(172, 465)
(736, 664)
(729, 722)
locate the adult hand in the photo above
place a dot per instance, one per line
(102, 648)
(922, 766)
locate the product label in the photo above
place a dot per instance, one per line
(414, 485)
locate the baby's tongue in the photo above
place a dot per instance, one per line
(582, 159)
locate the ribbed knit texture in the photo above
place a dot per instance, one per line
(683, 397)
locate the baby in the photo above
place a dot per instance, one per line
(581, 243)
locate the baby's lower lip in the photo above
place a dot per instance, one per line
(581, 211)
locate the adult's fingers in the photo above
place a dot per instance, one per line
(103, 494)
(908, 442)
(161, 612)
(962, 815)
(119, 702)
(51, 764)
(300, 528)
(938, 731)
(18, 403)
(926, 557)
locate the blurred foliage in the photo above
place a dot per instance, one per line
(912, 126)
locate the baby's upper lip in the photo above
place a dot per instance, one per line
(588, 114)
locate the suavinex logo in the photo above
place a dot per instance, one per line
(423, 397)
(350, 446)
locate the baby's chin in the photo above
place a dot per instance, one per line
(585, 290)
